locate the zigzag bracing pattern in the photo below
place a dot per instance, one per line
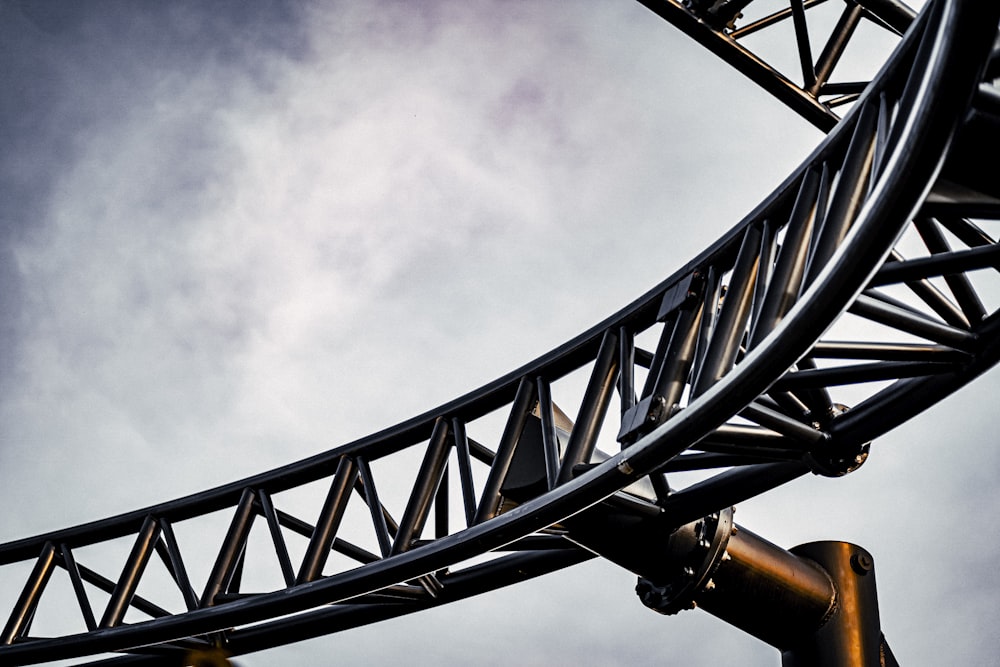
(868, 279)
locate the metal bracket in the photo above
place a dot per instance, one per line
(643, 417)
(701, 547)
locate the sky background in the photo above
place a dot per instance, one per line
(235, 235)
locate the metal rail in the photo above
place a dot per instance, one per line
(814, 91)
(751, 346)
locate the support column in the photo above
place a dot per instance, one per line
(852, 636)
(815, 603)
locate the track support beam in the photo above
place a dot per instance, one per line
(815, 603)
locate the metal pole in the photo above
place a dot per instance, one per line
(852, 636)
(815, 603)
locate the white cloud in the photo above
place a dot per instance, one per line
(251, 257)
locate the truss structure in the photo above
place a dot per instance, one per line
(859, 293)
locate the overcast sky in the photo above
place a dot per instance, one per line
(235, 235)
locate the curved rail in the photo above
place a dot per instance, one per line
(733, 366)
(815, 89)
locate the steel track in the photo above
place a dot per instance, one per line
(734, 366)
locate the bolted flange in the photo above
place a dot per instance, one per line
(696, 550)
(832, 459)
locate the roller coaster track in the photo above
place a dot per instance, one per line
(863, 280)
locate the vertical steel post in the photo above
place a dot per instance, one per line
(69, 562)
(524, 401)
(783, 288)
(550, 437)
(20, 618)
(672, 376)
(280, 548)
(374, 507)
(329, 521)
(588, 423)
(852, 636)
(175, 564)
(848, 194)
(626, 362)
(464, 469)
(730, 326)
(441, 511)
(232, 548)
(429, 477)
(121, 597)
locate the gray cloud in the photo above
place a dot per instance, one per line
(235, 235)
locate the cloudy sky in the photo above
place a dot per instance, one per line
(235, 235)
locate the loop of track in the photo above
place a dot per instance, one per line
(756, 337)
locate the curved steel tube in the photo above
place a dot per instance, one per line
(949, 47)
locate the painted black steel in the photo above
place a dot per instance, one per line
(129, 579)
(721, 353)
(81, 594)
(789, 270)
(550, 437)
(321, 541)
(25, 606)
(490, 502)
(231, 551)
(583, 439)
(742, 331)
(425, 488)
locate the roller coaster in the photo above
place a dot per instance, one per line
(858, 294)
